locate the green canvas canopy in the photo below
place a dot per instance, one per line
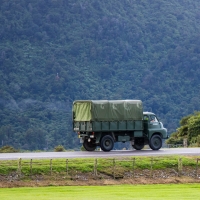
(105, 110)
(82, 111)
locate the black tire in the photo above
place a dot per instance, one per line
(155, 142)
(139, 144)
(107, 143)
(89, 146)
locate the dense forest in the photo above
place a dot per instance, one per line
(53, 52)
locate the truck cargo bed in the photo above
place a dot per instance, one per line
(108, 126)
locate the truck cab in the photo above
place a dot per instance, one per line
(154, 130)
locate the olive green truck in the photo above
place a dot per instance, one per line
(104, 122)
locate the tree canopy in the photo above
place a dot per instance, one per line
(189, 129)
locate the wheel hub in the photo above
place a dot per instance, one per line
(156, 142)
(107, 143)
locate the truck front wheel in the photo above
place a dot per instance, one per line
(89, 146)
(107, 143)
(155, 142)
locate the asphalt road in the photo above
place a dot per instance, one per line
(98, 154)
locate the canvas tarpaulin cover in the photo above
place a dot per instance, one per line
(104, 110)
(82, 111)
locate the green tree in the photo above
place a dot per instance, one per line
(190, 129)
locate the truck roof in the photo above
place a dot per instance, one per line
(148, 113)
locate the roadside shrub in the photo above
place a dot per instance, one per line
(8, 149)
(82, 148)
(59, 148)
(198, 140)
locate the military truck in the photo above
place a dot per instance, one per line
(104, 122)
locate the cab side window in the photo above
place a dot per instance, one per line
(153, 118)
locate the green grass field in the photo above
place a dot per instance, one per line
(166, 191)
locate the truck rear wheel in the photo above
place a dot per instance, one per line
(155, 142)
(138, 144)
(89, 146)
(107, 143)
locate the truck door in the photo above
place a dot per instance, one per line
(153, 122)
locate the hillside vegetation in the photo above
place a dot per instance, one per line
(53, 52)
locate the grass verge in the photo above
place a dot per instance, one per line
(104, 165)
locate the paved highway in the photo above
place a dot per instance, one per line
(97, 154)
